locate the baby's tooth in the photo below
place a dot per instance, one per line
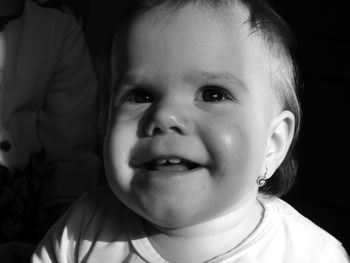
(161, 161)
(174, 160)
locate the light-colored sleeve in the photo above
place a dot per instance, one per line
(68, 121)
(334, 253)
(62, 241)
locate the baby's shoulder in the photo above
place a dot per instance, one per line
(301, 225)
(94, 221)
(301, 234)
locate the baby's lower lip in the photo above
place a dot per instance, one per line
(171, 168)
(168, 166)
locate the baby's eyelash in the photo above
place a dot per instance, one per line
(137, 95)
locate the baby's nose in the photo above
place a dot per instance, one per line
(166, 117)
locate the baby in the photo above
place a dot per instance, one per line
(203, 117)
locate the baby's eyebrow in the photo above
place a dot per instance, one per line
(134, 80)
(130, 78)
(206, 76)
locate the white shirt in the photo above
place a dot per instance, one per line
(99, 228)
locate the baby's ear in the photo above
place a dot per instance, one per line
(280, 138)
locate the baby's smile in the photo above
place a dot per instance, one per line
(168, 164)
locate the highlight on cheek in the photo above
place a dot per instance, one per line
(227, 139)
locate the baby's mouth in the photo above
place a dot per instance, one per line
(172, 164)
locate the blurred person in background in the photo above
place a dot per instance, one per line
(48, 120)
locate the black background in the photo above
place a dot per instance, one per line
(322, 191)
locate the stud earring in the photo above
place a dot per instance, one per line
(261, 181)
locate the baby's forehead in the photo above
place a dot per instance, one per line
(222, 32)
(222, 26)
(234, 16)
(215, 22)
(233, 19)
(233, 13)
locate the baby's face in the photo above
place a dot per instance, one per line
(190, 118)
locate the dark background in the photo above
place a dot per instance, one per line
(321, 192)
(322, 189)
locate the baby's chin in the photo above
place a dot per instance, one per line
(169, 222)
(166, 218)
(162, 214)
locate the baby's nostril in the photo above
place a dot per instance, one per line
(176, 129)
(157, 131)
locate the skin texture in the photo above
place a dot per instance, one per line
(194, 88)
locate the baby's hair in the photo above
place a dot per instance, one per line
(278, 41)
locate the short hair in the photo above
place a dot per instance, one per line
(279, 42)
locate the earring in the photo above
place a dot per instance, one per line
(261, 181)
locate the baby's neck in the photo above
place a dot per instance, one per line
(206, 240)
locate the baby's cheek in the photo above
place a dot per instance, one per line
(119, 142)
(234, 155)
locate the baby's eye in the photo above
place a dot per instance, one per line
(138, 95)
(212, 93)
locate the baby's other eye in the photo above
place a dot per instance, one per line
(138, 95)
(212, 93)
